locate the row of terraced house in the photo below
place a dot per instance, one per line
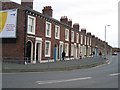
(41, 38)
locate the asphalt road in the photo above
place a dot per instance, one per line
(103, 76)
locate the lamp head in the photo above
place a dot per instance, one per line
(107, 25)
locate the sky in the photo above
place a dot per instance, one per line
(93, 15)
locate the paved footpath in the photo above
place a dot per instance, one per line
(53, 66)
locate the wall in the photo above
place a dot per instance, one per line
(15, 47)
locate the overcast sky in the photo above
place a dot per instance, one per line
(90, 14)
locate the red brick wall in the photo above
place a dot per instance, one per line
(15, 49)
(62, 33)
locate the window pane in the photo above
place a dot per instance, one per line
(85, 40)
(31, 24)
(56, 31)
(81, 39)
(48, 29)
(66, 49)
(66, 34)
(72, 36)
(47, 48)
(30, 21)
(48, 32)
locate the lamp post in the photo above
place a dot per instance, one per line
(105, 40)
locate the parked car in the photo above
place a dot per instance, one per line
(115, 53)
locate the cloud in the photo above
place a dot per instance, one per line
(91, 14)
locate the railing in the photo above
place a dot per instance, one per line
(27, 60)
(17, 60)
(18, 64)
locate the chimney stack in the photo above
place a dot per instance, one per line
(93, 36)
(70, 22)
(64, 19)
(47, 10)
(76, 26)
(27, 3)
(89, 34)
(83, 30)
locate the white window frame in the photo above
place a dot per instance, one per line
(67, 32)
(88, 41)
(34, 24)
(72, 49)
(66, 49)
(57, 29)
(72, 36)
(46, 29)
(85, 40)
(49, 52)
(81, 39)
(77, 38)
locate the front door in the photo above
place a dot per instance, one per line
(61, 50)
(55, 53)
(28, 52)
(38, 52)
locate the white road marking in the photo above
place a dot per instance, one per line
(115, 74)
(58, 81)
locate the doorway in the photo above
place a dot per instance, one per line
(61, 50)
(38, 52)
(29, 52)
(75, 51)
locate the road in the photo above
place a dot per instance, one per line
(103, 76)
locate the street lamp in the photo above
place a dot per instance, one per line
(105, 40)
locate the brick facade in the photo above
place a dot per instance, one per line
(15, 45)
(39, 43)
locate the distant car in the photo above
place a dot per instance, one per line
(114, 53)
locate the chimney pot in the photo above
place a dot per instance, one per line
(76, 26)
(64, 19)
(70, 22)
(83, 30)
(93, 36)
(27, 3)
(47, 10)
(89, 33)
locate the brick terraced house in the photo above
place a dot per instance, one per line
(40, 38)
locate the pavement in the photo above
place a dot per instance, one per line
(55, 66)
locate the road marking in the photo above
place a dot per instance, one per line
(58, 81)
(115, 74)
